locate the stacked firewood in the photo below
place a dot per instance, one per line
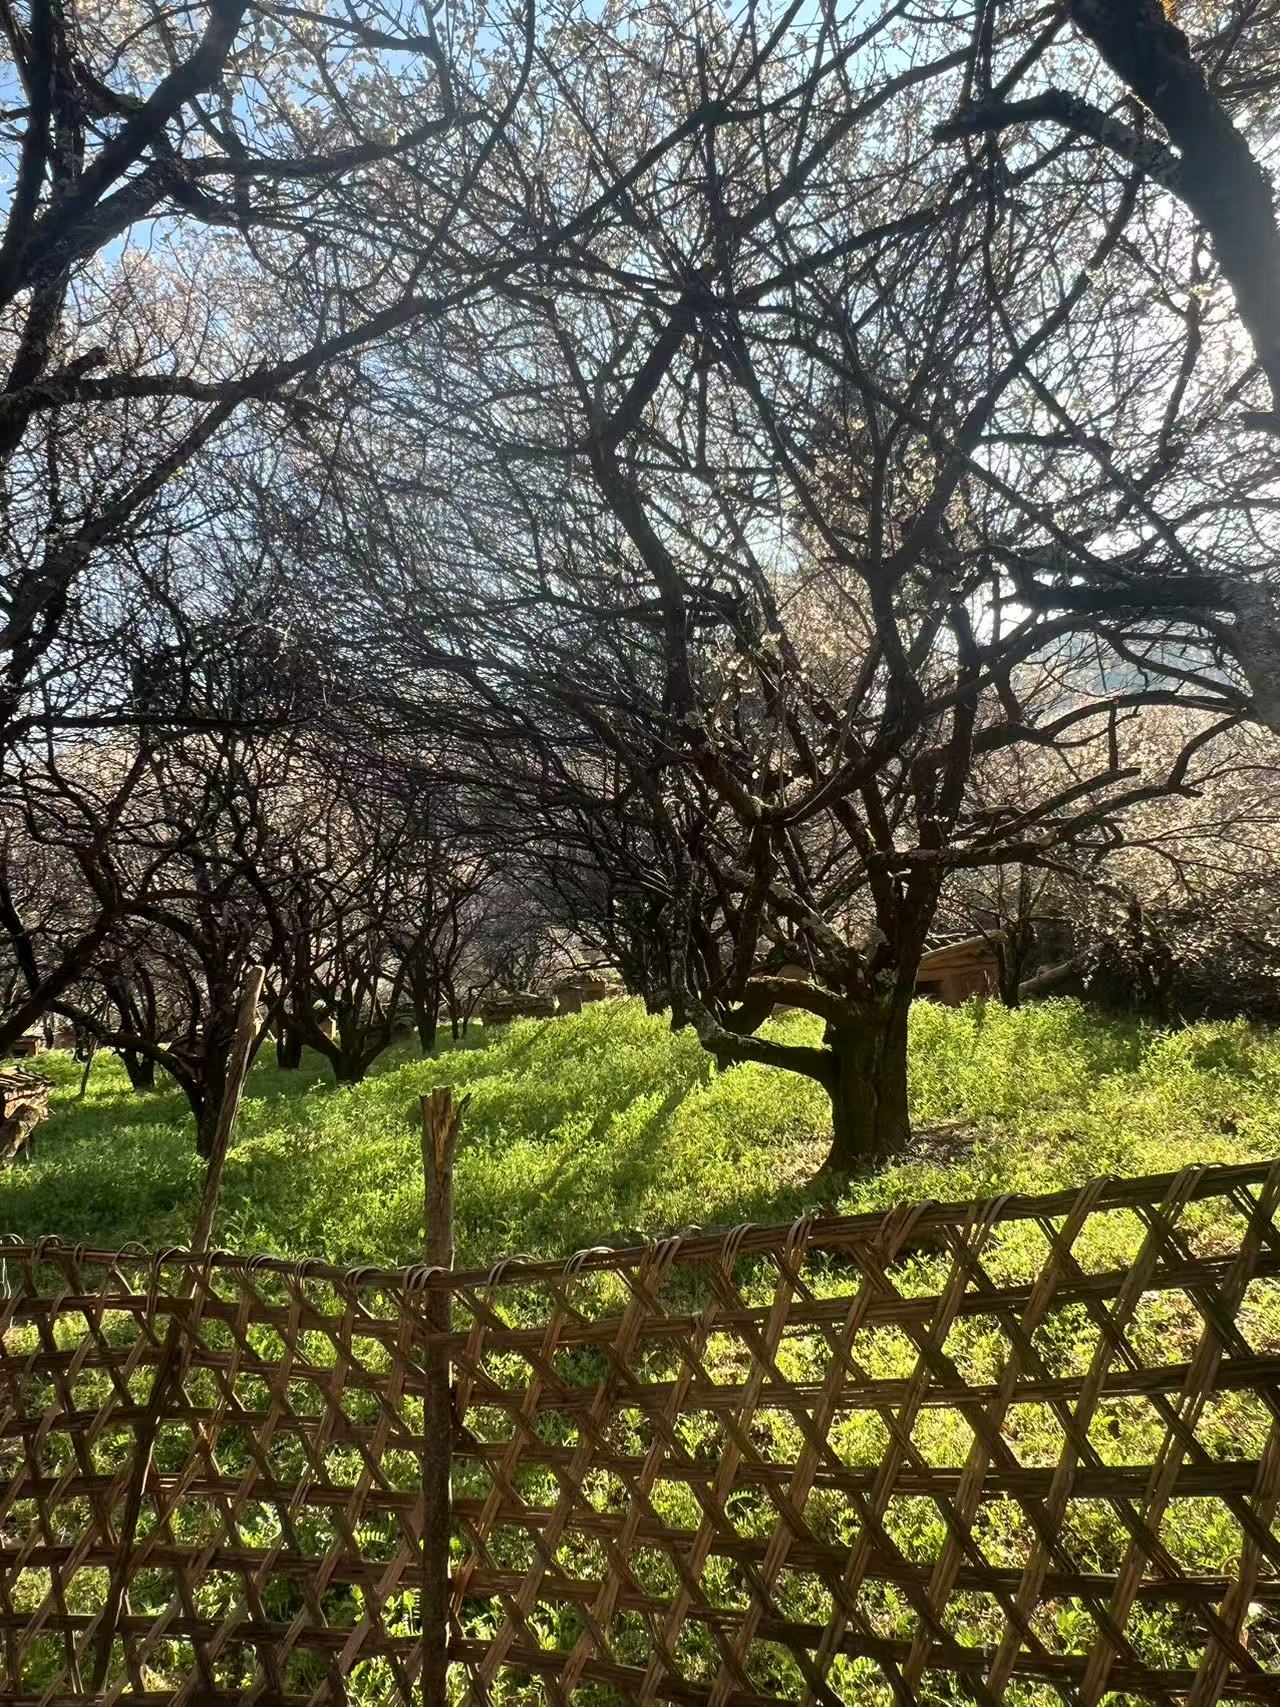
(24, 1103)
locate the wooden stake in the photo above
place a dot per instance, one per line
(237, 1068)
(88, 1068)
(169, 1363)
(441, 1118)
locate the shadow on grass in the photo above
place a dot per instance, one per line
(556, 1200)
(615, 1189)
(557, 1152)
(607, 1128)
(90, 1122)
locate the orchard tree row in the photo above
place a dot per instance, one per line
(741, 487)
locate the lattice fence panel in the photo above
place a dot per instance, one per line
(1025, 1451)
(211, 1480)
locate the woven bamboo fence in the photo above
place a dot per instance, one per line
(1020, 1451)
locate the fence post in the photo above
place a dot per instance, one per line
(169, 1363)
(441, 1118)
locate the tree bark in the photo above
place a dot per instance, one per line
(1050, 978)
(426, 1018)
(348, 1067)
(140, 1069)
(1219, 179)
(1013, 945)
(218, 1119)
(88, 1068)
(288, 1049)
(206, 1127)
(868, 1088)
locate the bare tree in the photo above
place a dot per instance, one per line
(1213, 90)
(162, 988)
(209, 212)
(374, 888)
(63, 886)
(1177, 914)
(787, 502)
(782, 429)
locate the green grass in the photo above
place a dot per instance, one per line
(604, 1127)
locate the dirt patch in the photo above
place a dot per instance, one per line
(942, 1141)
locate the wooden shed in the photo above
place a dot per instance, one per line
(951, 972)
(580, 989)
(500, 1007)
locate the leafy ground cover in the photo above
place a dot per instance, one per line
(603, 1127)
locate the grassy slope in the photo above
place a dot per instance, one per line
(604, 1126)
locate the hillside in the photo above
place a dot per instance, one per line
(604, 1126)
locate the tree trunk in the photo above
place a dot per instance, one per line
(868, 1088)
(288, 1049)
(88, 1068)
(207, 1126)
(140, 1068)
(348, 1067)
(426, 1016)
(228, 1104)
(1013, 949)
